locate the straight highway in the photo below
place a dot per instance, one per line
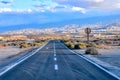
(55, 62)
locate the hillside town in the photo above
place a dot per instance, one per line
(109, 34)
(71, 30)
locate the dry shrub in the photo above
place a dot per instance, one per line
(91, 51)
(24, 46)
(82, 45)
(103, 46)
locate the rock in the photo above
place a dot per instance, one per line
(91, 51)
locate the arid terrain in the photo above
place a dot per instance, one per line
(8, 54)
(108, 58)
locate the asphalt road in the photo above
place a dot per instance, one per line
(55, 62)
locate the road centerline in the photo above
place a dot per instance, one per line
(54, 55)
(55, 59)
(56, 67)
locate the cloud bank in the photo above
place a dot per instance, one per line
(82, 6)
(92, 4)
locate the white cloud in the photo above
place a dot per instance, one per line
(5, 10)
(97, 1)
(29, 10)
(22, 11)
(59, 8)
(118, 5)
(107, 5)
(68, 5)
(16, 10)
(92, 4)
(79, 9)
(38, 10)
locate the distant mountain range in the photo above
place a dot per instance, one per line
(70, 28)
(102, 21)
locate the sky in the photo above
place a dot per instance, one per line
(45, 11)
(83, 6)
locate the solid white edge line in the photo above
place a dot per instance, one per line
(110, 73)
(12, 66)
(56, 67)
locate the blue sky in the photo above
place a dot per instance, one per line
(54, 10)
(82, 6)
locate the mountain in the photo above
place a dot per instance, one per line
(20, 23)
(114, 24)
(70, 28)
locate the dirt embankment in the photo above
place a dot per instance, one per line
(8, 54)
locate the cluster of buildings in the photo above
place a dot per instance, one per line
(68, 31)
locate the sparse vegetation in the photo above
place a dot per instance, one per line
(92, 45)
(34, 44)
(91, 50)
(23, 44)
(78, 45)
(81, 45)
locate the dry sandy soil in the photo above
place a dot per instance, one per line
(8, 54)
(108, 58)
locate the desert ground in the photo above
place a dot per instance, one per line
(8, 54)
(108, 58)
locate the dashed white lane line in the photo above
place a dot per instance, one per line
(56, 67)
(110, 73)
(12, 65)
(55, 59)
(54, 55)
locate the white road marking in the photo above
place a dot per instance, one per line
(56, 67)
(47, 48)
(54, 55)
(110, 73)
(12, 65)
(55, 59)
